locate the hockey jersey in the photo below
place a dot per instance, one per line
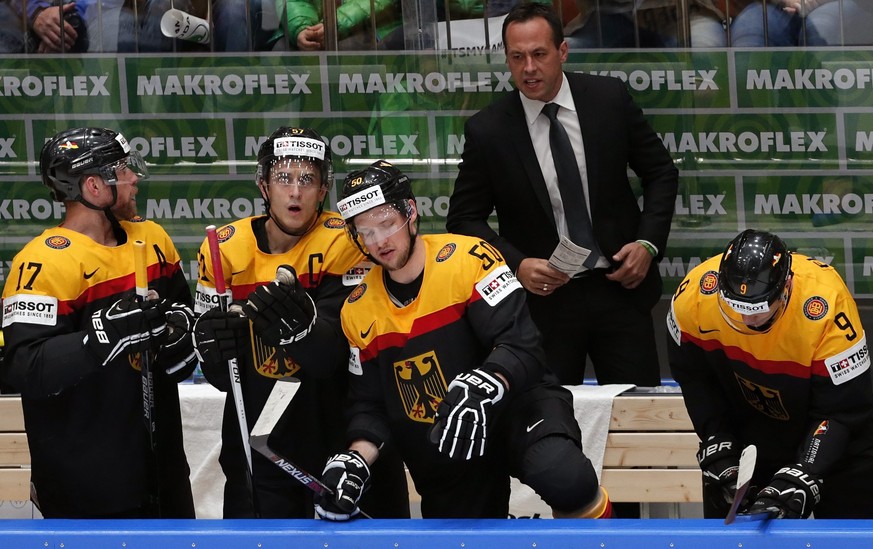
(88, 441)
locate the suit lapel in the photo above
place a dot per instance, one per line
(519, 136)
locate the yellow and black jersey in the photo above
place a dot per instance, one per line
(84, 422)
(470, 313)
(775, 389)
(328, 266)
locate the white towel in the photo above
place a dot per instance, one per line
(592, 406)
(202, 408)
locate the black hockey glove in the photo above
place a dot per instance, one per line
(220, 336)
(461, 424)
(281, 311)
(126, 326)
(792, 493)
(347, 475)
(719, 459)
(177, 352)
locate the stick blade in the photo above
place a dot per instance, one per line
(744, 477)
(280, 397)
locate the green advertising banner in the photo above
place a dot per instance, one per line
(772, 139)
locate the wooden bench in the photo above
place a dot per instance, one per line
(650, 451)
(14, 455)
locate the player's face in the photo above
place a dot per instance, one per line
(385, 234)
(126, 189)
(295, 191)
(533, 59)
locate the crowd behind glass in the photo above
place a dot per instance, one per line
(134, 26)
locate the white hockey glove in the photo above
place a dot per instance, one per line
(460, 428)
(281, 311)
(126, 326)
(347, 475)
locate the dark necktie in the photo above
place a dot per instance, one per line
(570, 185)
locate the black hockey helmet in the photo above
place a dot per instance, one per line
(74, 153)
(753, 278)
(294, 144)
(379, 183)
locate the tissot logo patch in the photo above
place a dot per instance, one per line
(57, 242)
(815, 308)
(497, 285)
(673, 326)
(850, 363)
(355, 275)
(30, 309)
(709, 283)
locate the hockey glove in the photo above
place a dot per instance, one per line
(220, 336)
(177, 352)
(461, 424)
(792, 493)
(126, 326)
(347, 475)
(719, 459)
(281, 311)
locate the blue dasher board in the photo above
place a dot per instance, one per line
(434, 534)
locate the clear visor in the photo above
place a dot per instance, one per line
(752, 318)
(377, 225)
(134, 162)
(294, 171)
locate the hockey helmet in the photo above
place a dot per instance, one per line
(753, 280)
(74, 153)
(377, 184)
(288, 143)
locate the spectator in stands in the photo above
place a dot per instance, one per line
(768, 348)
(834, 22)
(740, 23)
(303, 25)
(11, 27)
(55, 26)
(618, 24)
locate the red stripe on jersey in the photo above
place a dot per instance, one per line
(422, 325)
(784, 367)
(113, 287)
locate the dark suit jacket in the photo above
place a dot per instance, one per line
(499, 170)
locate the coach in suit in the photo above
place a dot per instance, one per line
(604, 311)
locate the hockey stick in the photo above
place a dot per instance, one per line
(140, 270)
(281, 395)
(744, 479)
(232, 365)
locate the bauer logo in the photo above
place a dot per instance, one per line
(360, 202)
(30, 309)
(850, 363)
(497, 285)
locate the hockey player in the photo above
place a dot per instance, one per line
(76, 335)
(769, 350)
(294, 329)
(447, 366)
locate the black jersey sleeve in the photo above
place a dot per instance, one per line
(366, 414)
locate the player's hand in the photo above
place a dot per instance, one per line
(719, 459)
(460, 428)
(218, 337)
(177, 352)
(347, 475)
(792, 493)
(281, 311)
(126, 326)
